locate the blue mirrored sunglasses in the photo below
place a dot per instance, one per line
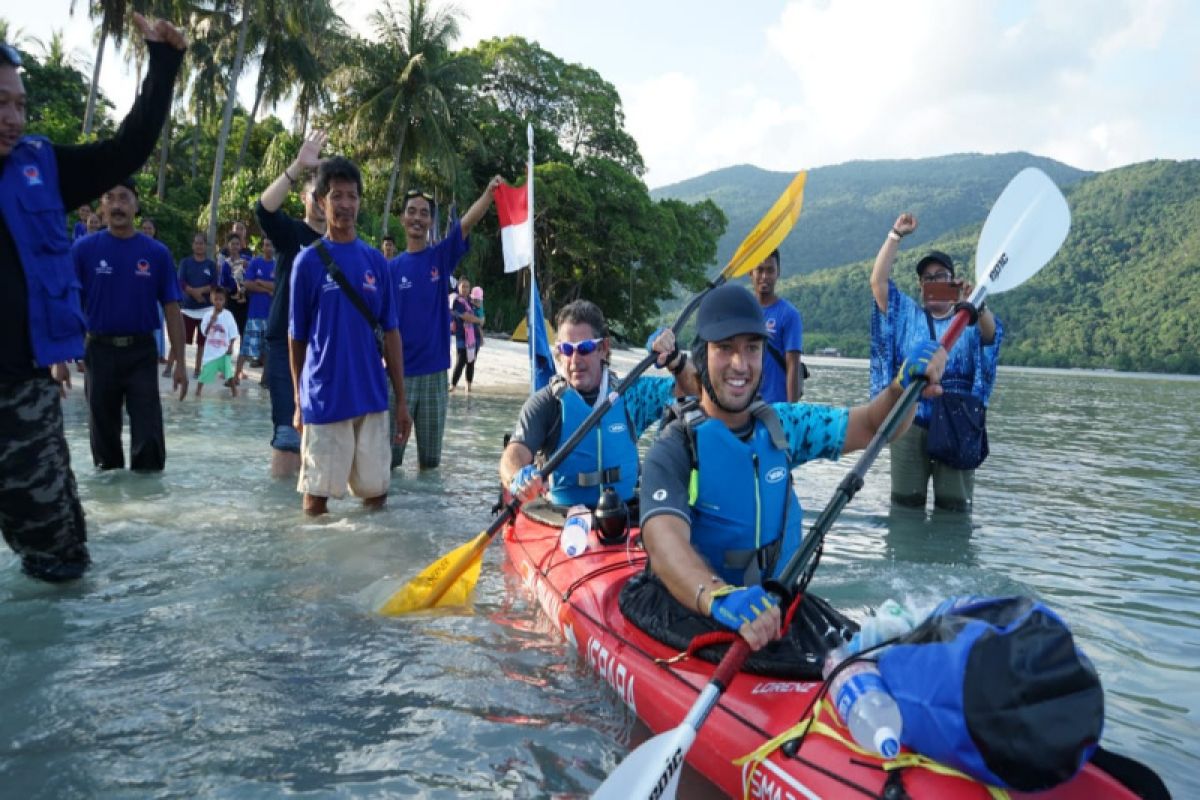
(585, 348)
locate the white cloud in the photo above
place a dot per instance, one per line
(661, 114)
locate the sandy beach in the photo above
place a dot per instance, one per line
(502, 368)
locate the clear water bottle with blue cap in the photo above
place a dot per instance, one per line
(864, 703)
(574, 537)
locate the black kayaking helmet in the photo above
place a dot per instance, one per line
(725, 312)
(611, 517)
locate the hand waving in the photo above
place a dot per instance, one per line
(159, 30)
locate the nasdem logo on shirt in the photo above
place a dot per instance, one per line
(33, 177)
(143, 268)
(771, 325)
(776, 475)
(433, 275)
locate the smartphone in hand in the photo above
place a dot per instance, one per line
(941, 292)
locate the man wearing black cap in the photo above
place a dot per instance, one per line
(897, 323)
(718, 512)
(126, 276)
(41, 321)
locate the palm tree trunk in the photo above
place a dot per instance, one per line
(90, 111)
(391, 190)
(214, 200)
(163, 151)
(196, 146)
(258, 93)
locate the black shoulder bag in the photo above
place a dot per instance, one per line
(957, 427)
(355, 298)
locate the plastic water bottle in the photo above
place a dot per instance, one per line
(574, 537)
(891, 620)
(864, 704)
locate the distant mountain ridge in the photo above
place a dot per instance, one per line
(1123, 292)
(849, 207)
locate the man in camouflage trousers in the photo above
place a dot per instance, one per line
(48, 533)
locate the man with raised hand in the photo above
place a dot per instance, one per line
(341, 312)
(897, 323)
(41, 319)
(422, 275)
(719, 515)
(288, 235)
(783, 371)
(126, 276)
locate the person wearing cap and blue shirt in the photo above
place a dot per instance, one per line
(126, 276)
(897, 323)
(41, 319)
(718, 512)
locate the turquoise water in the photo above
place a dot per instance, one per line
(224, 646)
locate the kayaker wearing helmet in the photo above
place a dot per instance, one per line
(717, 509)
(551, 415)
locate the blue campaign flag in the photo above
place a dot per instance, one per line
(541, 358)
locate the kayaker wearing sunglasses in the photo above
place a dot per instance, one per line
(551, 415)
(717, 509)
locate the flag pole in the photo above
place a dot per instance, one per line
(529, 329)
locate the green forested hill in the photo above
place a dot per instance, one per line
(1123, 293)
(849, 206)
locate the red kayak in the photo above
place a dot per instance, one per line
(580, 595)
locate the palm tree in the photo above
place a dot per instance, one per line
(294, 36)
(112, 15)
(239, 55)
(404, 84)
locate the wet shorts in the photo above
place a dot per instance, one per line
(353, 453)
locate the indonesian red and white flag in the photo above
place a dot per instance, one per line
(516, 226)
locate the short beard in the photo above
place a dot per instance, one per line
(700, 358)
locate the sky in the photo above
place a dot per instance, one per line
(785, 86)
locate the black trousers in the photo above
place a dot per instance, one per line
(459, 363)
(125, 378)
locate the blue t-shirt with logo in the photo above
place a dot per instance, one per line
(259, 269)
(195, 274)
(343, 375)
(785, 333)
(422, 282)
(124, 282)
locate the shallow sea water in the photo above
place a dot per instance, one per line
(224, 645)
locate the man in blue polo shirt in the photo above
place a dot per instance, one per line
(422, 276)
(340, 385)
(260, 285)
(126, 275)
(782, 370)
(197, 276)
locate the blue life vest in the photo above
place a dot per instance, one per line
(33, 209)
(745, 515)
(608, 456)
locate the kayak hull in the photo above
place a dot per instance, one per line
(580, 596)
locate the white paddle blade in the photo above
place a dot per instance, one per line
(1024, 229)
(652, 770)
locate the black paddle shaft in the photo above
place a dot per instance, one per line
(798, 570)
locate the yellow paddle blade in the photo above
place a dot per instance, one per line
(771, 230)
(448, 581)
